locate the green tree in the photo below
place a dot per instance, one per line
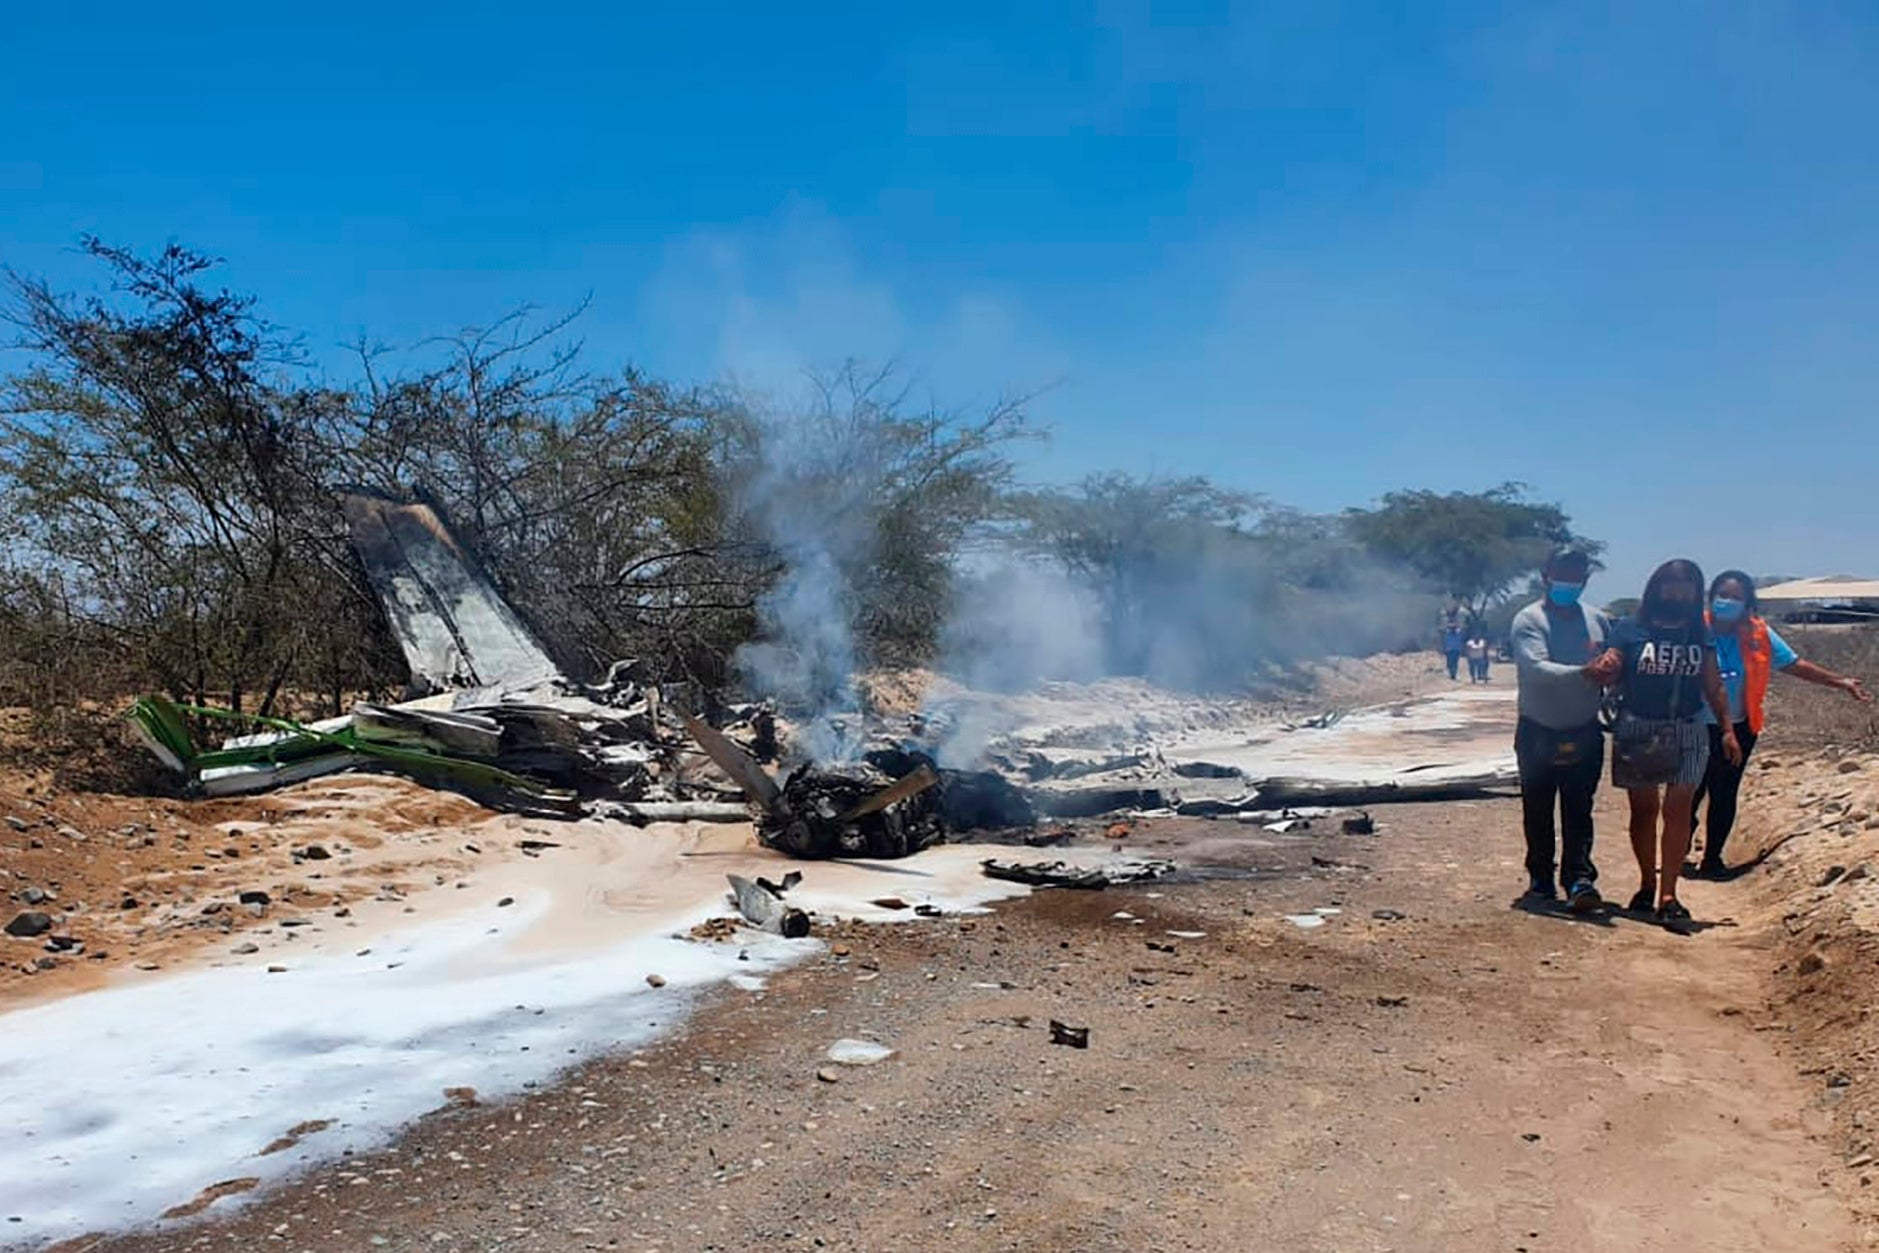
(1200, 585)
(1474, 546)
(857, 504)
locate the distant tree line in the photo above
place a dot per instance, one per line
(169, 462)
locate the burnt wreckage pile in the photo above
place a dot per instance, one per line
(893, 802)
(492, 715)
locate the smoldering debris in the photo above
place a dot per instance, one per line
(497, 720)
(853, 810)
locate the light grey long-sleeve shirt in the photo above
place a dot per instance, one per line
(1549, 647)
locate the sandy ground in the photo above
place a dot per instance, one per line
(1464, 1076)
(143, 884)
(1428, 1067)
(1431, 739)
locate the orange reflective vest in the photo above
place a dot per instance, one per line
(1758, 667)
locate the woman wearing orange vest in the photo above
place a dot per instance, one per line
(1748, 651)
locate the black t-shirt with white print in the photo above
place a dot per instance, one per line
(1663, 670)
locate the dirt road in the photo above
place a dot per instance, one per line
(1429, 1069)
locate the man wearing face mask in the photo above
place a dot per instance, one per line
(1749, 652)
(1559, 743)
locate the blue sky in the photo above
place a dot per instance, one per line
(1626, 253)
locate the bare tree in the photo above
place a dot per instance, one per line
(157, 467)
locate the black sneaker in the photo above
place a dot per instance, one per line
(1583, 898)
(1672, 916)
(1643, 901)
(1712, 870)
(1541, 890)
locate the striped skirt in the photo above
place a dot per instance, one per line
(1692, 753)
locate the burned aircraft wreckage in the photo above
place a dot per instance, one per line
(494, 716)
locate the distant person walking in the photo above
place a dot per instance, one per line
(1454, 639)
(1558, 743)
(1749, 653)
(1661, 663)
(1477, 657)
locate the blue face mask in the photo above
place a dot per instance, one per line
(1728, 609)
(1565, 595)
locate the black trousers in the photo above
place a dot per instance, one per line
(1559, 768)
(1722, 785)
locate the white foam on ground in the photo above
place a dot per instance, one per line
(1455, 735)
(128, 1101)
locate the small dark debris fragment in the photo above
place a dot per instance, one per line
(255, 897)
(1388, 915)
(790, 880)
(1362, 824)
(1069, 1037)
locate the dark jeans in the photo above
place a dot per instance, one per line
(1454, 664)
(1722, 785)
(1563, 768)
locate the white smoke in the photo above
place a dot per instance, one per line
(813, 506)
(1015, 622)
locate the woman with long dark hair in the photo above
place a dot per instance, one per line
(1749, 652)
(1661, 664)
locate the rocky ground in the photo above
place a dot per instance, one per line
(132, 883)
(1324, 1042)
(1429, 1068)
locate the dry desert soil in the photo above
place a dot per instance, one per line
(1430, 1067)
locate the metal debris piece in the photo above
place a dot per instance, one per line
(454, 628)
(1069, 1037)
(916, 781)
(679, 811)
(735, 762)
(1057, 874)
(766, 911)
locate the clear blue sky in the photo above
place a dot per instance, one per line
(1626, 253)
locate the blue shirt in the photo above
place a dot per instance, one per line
(1729, 659)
